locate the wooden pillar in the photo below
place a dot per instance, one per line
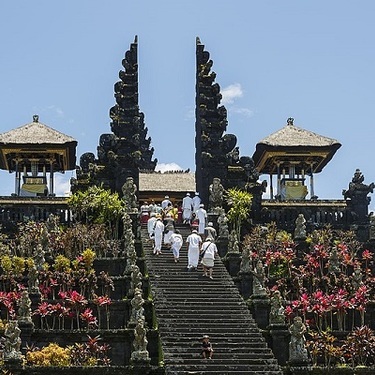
(312, 182)
(278, 179)
(51, 179)
(17, 187)
(271, 186)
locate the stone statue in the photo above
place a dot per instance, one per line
(140, 341)
(39, 258)
(137, 310)
(233, 246)
(24, 310)
(129, 190)
(277, 315)
(259, 280)
(216, 197)
(135, 280)
(300, 228)
(222, 222)
(334, 262)
(246, 265)
(297, 344)
(33, 282)
(357, 277)
(12, 344)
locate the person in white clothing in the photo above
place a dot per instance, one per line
(196, 201)
(202, 217)
(165, 202)
(208, 253)
(158, 235)
(187, 207)
(176, 244)
(194, 242)
(150, 224)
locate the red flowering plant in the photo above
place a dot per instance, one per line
(102, 302)
(77, 302)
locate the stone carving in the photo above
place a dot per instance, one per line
(140, 341)
(357, 199)
(216, 198)
(300, 228)
(24, 310)
(297, 345)
(135, 280)
(127, 150)
(214, 149)
(277, 315)
(334, 261)
(33, 281)
(129, 190)
(12, 344)
(357, 277)
(222, 222)
(233, 245)
(137, 310)
(39, 258)
(246, 265)
(259, 279)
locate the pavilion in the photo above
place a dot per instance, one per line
(291, 153)
(32, 151)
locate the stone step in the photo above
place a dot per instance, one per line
(187, 305)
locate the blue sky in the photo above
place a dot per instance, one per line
(311, 60)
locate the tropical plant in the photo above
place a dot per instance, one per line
(239, 202)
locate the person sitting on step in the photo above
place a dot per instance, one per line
(207, 350)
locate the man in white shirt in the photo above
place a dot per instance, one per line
(150, 224)
(176, 244)
(202, 217)
(187, 207)
(194, 242)
(208, 252)
(165, 202)
(158, 235)
(196, 202)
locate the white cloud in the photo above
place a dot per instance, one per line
(242, 111)
(62, 185)
(164, 167)
(231, 93)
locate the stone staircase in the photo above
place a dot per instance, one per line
(189, 305)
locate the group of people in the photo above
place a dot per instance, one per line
(161, 229)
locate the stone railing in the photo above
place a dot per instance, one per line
(18, 209)
(317, 213)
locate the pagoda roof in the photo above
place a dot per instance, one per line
(34, 133)
(292, 143)
(293, 136)
(37, 141)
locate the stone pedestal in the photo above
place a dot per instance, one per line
(246, 284)
(280, 338)
(140, 363)
(233, 261)
(260, 308)
(222, 246)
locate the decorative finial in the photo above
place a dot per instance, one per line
(136, 39)
(36, 118)
(290, 121)
(197, 40)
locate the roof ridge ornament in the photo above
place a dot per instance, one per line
(290, 121)
(36, 118)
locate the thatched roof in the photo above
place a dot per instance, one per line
(293, 144)
(34, 133)
(291, 135)
(37, 141)
(171, 182)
